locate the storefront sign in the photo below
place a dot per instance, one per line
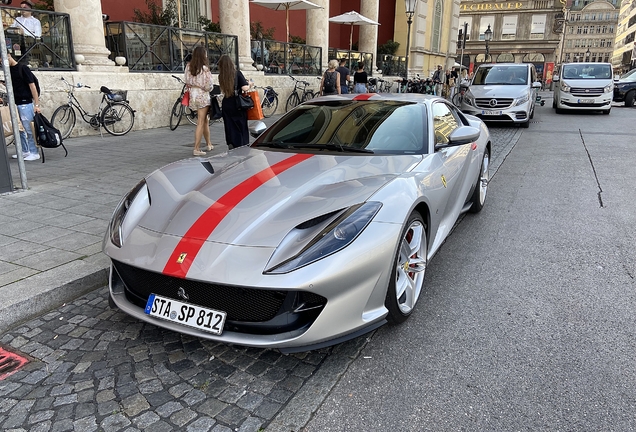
(491, 6)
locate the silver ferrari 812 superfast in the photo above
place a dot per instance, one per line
(318, 232)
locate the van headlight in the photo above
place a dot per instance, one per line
(565, 87)
(522, 100)
(608, 88)
(136, 202)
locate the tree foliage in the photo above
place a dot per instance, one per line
(257, 31)
(45, 5)
(390, 47)
(157, 15)
(297, 39)
(209, 26)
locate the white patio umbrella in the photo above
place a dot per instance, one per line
(352, 18)
(287, 6)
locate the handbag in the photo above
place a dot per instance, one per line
(185, 100)
(256, 112)
(215, 109)
(245, 102)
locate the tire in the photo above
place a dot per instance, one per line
(629, 98)
(292, 101)
(405, 287)
(190, 115)
(481, 187)
(309, 95)
(175, 114)
(63, 119)
(558, 110)
(606, 112)
(118, 119)
(525, 124)
(554, 103)
(269, 108)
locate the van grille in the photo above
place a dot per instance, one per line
(582, 92)
(499, 103)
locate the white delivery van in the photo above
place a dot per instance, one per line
(584, 86)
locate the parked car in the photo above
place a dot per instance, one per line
(625, 88)
(583, 86)
(318, 232)
(503, 92)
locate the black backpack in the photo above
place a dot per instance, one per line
(47, 135)
(329, 85)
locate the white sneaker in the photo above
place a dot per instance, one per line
(31, 157)
(24, 155)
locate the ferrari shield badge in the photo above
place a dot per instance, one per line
(443, 180)
(181, 258)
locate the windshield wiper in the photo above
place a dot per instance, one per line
(275, 145)
(336, 147)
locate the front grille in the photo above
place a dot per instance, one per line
(494, 118)
(241, 304)
(582, 92)
(500, 103)
(585, 105)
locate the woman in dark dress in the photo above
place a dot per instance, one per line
(360, 80)
(232, 82)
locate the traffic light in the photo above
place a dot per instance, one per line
(462, 37)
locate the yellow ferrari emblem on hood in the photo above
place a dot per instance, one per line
(181, 258)
(443, 180)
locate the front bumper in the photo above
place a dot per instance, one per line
(587, 103)
(513, 114)
(344, 294)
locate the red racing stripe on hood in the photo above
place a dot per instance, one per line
(186, 251)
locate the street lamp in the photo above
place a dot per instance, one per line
(487, 38)
(409, 5)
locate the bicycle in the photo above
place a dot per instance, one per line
(385, 86)
(296, 97)
(269, 102)
(458, 98)
(178, 110)
(114, 114)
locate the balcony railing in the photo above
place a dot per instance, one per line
(286, 58)
(50, 50)
(154, 48)
(352, 58)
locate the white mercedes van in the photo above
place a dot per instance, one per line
(503, 92)
(584, 86)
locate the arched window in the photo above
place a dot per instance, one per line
(533, 58)
(505, 58)
(437, 26)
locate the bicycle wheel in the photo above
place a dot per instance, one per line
(308, 95)
(191, 115)
(269, 106)
(175, 115)
(292, 101)
(118, 118)
(63, 119)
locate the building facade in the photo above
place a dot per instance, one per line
(624, 57)
(590, 31)
(525, 31)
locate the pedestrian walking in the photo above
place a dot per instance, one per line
(360, 80)
(438, 79)
(233, 83)
(330, 82)
(344, 77)
(26, 97)
(198, 78)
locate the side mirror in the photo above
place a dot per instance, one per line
(257, 128)
(460, 136)
(536, 85)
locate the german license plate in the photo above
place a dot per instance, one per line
(489, 112)
(586, 101)
(201, 318)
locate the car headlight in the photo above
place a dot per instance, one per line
(336, 236)
(608, 88)
(565, 87)
(522, 100)
(118, 231)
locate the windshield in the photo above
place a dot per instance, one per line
(587, 71)
(629, 76)
(501, 75)
(391, 127)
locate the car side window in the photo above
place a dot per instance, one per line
(444, 122)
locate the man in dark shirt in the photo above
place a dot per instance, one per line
(344, 77)
(25, 94)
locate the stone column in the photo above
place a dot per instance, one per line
(234, 18)
(87, 28)
(369, 33)
(318, 29)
